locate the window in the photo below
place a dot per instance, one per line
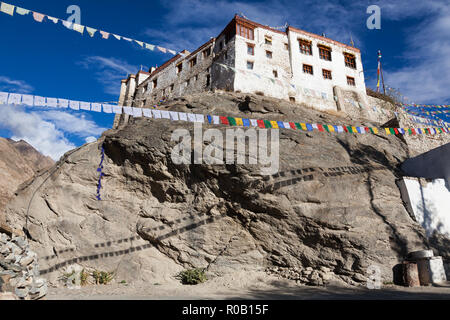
(286, 46)
(268, 40)
(179, 68)
(292, 99)
(245, 32)
(225, 56)
(275, 73)
(308, 69)
(187, 82)
(208, 80)
(351, 81)
(350, 60)
(269, 54)
(326, 74)
(250, 65)
(305, 47)
(220, 45)
(193, 62)
(196, 77)
(206, 53)
(324, 52)
(155, 83)
(171, 88)
(250, 49)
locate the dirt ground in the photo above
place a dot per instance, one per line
(244, 286)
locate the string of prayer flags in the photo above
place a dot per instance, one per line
(39, 17)
(38, 101)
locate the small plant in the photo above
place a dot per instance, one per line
(192, 276)
(68, 277)
(84, 277)
(102, 277)
(123, 282)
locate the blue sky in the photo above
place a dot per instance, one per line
(50, 60)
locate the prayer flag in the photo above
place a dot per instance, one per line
(127, 39)
(232, 121)
(304, 127)
(216, 119)
(67, 24)
(22, 11)
(161, 49)
(274, 124)
(267, 124)
(52, 102)
(14, 98)
(320, 128)
(183, 116)
(156, 114)
(309, 127)
(200, 118)
(117, 109)
(39, 101)
(224, 120)
(117, 36)
(105, 35)
(137, 112)
(7, 8)
(165, 114)
(107, 108)
(292, 125)
(239, 122)
(54, 20)
(246, 122)
(147, 112)
(78, 28)
(38, 16)
(75, 105)
(139, 43)
(27, 100)
(254, 122)
(97, 107)
(191, 117)
(174, 115)
(84, 106)
(261, 124)
(150, 46)
(280, 124)
(128, 110)
(63, 103)
(4, 97)
(91, 31)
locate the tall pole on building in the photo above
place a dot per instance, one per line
(380, 74)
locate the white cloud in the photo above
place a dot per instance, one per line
(90, 139)
(19, 86)
(108, 71)
(45, 130)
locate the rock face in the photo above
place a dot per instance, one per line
(331, 212)
(19, 162)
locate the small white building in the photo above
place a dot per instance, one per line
(248, 57)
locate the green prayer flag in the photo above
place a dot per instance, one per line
(299, 127)
(392, 131)
(232, 121)
(267, 124)
(350, 129)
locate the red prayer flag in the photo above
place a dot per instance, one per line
(224, 120)
(413, 131)
(320, 127)
(396, 131)
(293, 125)
(261, 124)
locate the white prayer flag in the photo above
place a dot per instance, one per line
(55, 20)
(254, 122)
(172, 52)
(340, 129)
(27, 100)
(107, 108)
(150, 46)
(127, 39)
(314, 125)
(22, 11)
(3, 97)
(147, 113)
(97, 107)
(39, 101)
(156, 114)
(287, 125)
(52, 102)
(216, 119)
(14, 98)
(117, 37)
(91, 31)
(117, 109)
(7, 8)
(85, 106)
(174, 115)
(63, 103)
(183, 116)
(67, 24)
(75, 105)
(137, 112)
(78, 28)
(128, 110)
(200, 118)
(191, 117)
(139, 43)
(165, 114)
(362, 129)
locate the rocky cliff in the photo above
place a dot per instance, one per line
(331, 212)
(19, 162)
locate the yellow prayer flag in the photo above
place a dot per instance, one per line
(331, 128)
(303, 126)
(78, 28)
(7, 8)
(354, 130)
(239, 122)
(387, 131)
(274, 124)
(375, 130)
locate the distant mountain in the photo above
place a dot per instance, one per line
(19, 162)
